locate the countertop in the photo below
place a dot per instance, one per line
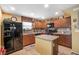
(61, 33)
(47, 37)
(28, 33)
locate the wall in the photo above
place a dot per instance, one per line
(6, 15)
(0, 25)
(40, 24)
(2, 16)
(75, 35)
(67, 13)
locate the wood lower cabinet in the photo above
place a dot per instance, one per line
(55, 48)
(65, 40)
(28, 39)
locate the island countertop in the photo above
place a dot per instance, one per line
(47, 37)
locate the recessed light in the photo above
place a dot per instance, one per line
(56, 13)
(42, 17)
(10, 8)
(32, 14)
(46, 5)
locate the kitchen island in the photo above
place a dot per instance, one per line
(45, 45)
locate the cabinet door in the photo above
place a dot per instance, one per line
(43, 25)
(68, 41)
(59, 23)
(33, 24)
(40, 24)
(32, 38)
(36, 24)
(66, 22)
(60, 40)
(65, 40)
(28, 39)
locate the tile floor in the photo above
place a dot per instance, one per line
(64, 50)
(30, 50)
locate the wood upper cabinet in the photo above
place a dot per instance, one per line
(35, 22)
(28, 39)
(33, 25)
(58, 23)
(43, 24)
(66, 22)
(26, 19)
(39, 24)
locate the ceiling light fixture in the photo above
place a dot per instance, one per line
(46, 5)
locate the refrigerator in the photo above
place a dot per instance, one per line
(12, 37)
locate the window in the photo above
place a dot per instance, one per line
(27, 25)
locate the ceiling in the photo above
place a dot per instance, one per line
(36, 10)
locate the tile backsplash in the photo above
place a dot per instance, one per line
(64, 30)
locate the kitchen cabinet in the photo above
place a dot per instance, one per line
(33, 25)
(64, 40)
(68, 22)
(45, 45)
(60, 23)
(28, 39)
(26, 19)
(39, 24)
(44, 24)
(35, 22)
